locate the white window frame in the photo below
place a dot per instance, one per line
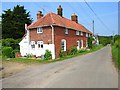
(81, 33)
(32, 43)
(63, 40)
(39, 30)
(77, 32)
(41, 43)
(66, 31)
(87, 34)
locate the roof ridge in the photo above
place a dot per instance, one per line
(53, 21)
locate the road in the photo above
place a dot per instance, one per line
(93, 70)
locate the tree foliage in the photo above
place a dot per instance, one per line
(104, 40)
(90, 39)
(13, 22)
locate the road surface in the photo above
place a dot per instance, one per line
(93, 70)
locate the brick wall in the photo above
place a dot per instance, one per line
(46, 36)
(70, 38)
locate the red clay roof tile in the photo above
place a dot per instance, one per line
(52, 18)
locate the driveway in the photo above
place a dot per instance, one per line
(93, 70)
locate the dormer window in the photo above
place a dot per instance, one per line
(66, 31)
(39, 30)
(77, 32)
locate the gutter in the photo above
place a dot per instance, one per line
(52, 34)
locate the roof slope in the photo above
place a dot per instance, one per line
(52, 18)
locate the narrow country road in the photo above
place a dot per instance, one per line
(93, 70)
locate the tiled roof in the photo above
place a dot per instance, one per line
(52, 18)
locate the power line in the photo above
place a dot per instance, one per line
(76, 11)
(96, 15)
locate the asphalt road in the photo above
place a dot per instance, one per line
(93, 70)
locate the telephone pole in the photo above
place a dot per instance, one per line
(93, 27)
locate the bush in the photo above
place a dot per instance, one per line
(29, 55)
(73, 51)
(89, 42)
(82, 50)
(10, 42)
(47, 55)
(117, 43)
(7, 52)
(62, 53)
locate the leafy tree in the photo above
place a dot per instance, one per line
(13, 22)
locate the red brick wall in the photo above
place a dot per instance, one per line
(70, 38)
(45, 36)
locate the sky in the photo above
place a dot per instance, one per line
(107, 12)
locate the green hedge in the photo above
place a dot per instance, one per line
(7, 52)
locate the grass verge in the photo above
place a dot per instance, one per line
(116, 56)
(35, 61)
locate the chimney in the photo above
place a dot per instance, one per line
(74, 17)
(60, 10)
(39, 14)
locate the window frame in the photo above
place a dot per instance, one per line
(40, 43)
(32, 43)
(66, 31)
(39, 30)
(63, 41)
(77, 32)
(81, 33)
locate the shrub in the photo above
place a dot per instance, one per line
(29, 55)
(73, 51)
(8, 52)
(62, 53)
(10, 42)
(81, 50)
(89, 42)
(47, 55)
(117, 43)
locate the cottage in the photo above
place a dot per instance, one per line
(53, 32)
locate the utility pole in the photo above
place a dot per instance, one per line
(113, 37)
(93, 27)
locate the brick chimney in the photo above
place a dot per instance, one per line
(74, 17)
(39, 14)
(59, 9)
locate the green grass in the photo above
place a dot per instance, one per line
(35, 61)
(116, 56)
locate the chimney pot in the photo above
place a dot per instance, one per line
(74, 17)
(39, 14)
(60, 10)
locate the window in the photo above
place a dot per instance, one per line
(40, 44)
(78, 45)
(39, 30)
(66, 31)
(63, 45)
(32, 44)
(81, 33)
(87, 34)
(77, 32)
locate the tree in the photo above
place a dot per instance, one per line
(13, 22)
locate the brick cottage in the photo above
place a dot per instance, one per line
(53, 32)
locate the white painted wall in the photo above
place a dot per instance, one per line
(25, 48)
